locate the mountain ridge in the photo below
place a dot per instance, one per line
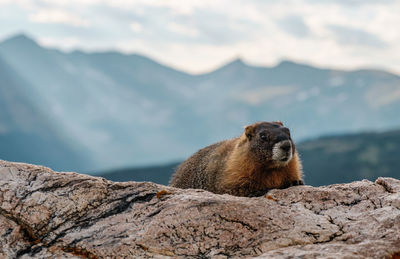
(27, 39)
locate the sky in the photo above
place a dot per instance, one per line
(198, 36)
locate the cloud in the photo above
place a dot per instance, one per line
(66, 43)
(198, 35)
(136, 27)
(58, 16)
(355, 36)
(215, 27)
(183, 29)
(294, 25)
(352, 2)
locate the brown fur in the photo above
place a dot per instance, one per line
(233, 167)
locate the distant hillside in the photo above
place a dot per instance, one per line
(26, 134)
(342, 159)
(328, 160)
(157, 174)
(128, 110)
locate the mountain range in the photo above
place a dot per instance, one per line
(102, 110)
(26, 135)
(351, 157)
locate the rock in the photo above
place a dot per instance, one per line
(44, 214)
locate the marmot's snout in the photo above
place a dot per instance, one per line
(282, 152)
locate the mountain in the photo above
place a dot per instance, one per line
(157, 174)
(118, 106)
(128, 110)
(327, 160)
(342, 159)
(26, 134)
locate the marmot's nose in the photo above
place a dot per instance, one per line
(286, 146)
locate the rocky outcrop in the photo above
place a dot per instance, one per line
(44, 214)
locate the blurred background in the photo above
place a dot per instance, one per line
(129, 89)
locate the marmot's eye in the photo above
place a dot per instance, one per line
(263, 136)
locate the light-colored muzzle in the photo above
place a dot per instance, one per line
(282, 151)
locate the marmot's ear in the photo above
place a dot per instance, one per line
(278, 122)
(249, 131)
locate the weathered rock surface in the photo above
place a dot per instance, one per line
(67, 215)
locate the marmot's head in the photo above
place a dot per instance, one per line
(270, 143)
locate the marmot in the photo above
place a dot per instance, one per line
(264, 157)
